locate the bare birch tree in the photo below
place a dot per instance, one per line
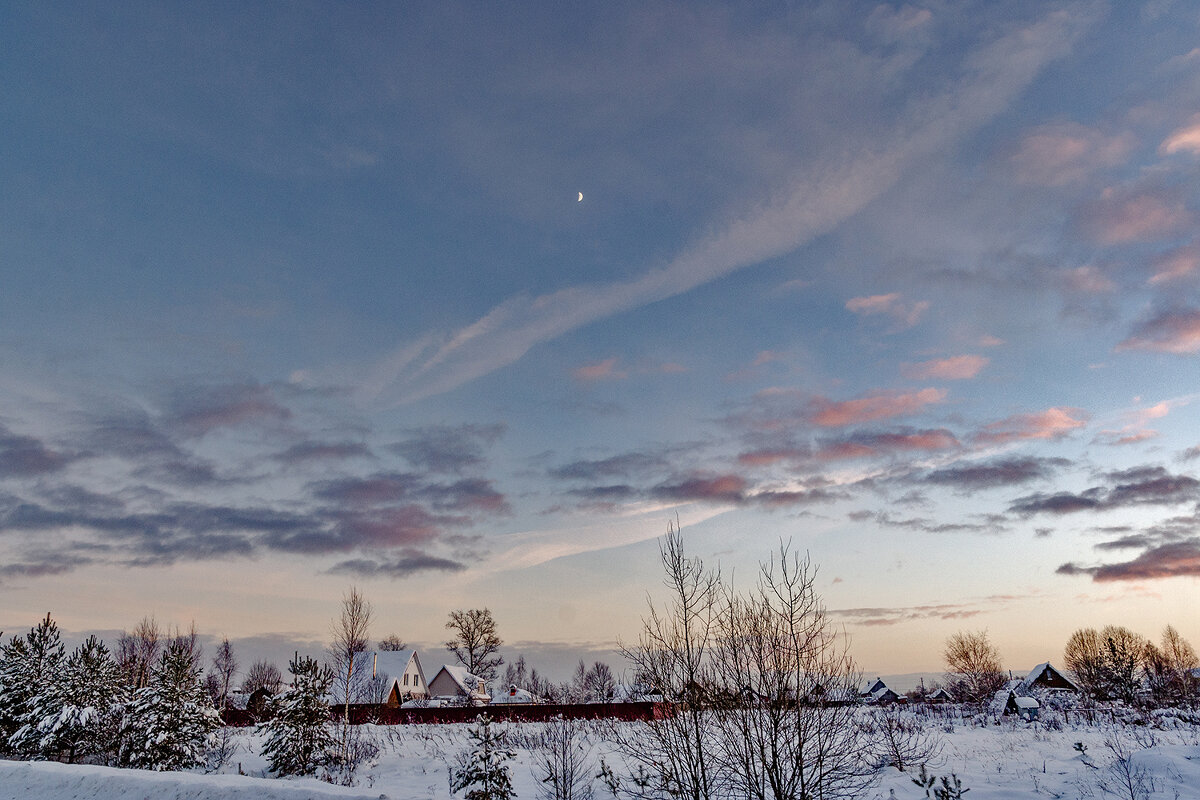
(672, 659)
(787, 729)
(350, 634)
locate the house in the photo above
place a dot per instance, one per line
(1046, 678)
(402, 669)
(1024, 707)
(453, 681)
(939, 695)
(514, 696)
(876, 692)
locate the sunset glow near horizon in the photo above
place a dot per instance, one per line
(300, 297)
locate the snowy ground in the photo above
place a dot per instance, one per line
(1002, 762)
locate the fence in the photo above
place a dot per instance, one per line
(361, 713)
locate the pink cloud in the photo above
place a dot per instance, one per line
(987, 340)
(904, 313)
(1053, 423)
(599, 371)
(955, 368)
(1182, 262)
(829, 413)
(767, 456)
(1184, 140)
(1063, 153)
(1174, 331)
(1087, 280)
(871, 445)
(1145, 215)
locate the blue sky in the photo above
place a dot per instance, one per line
(300, 296)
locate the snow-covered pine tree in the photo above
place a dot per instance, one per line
(85, 714)
(299, 733)
(484, 770)
(168, 724)
(33, 676)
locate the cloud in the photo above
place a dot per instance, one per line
(1134, 487)
(410, 563)
(1087, 279)
(1051, 424)
(1136, 428)
(765, 456)
(883, 405)
(1141, 215)
(1067, 152)
(996, 473)
(895, 24)
(818, 198)
(1176, 265)
(926, 525)
(955, 368)
(600, 371)
(1179, 559)
(1183, 140)
(198, 411)
(874, 444)
(25, 456)
(710, 488)
(1175, 331)
(880, 616)
(308, 452)
(448, 449)
(624, 464)
(377, 489)
(903, 314)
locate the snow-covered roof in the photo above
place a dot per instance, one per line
(870, 687)
(1026, 702)
(1036, 673)
(513, 695)
(469, 684)
(390, 662)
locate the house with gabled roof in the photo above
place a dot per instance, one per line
(1046, 678)
(455, 682)
(403, 671)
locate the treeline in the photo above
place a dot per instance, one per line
(1112, 664)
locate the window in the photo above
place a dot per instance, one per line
(416, 680)
(406, 679)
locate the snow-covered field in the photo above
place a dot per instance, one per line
(998, 762)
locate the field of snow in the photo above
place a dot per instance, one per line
(997, 762)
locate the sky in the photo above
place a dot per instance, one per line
(464, 303)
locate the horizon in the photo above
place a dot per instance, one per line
(465, 304)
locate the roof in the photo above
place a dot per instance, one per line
(469, 684)
(513, 695)
(390, 662)
(1026, 702)
(1037, 671)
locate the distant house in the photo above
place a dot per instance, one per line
(455, 683)
(406, 678)
(876, 692)
(1046, 678)
(939, 695)
(1024, 707)
(514, 696)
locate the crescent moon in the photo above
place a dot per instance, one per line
(580, 200)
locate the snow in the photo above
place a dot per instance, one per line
(1013, 760)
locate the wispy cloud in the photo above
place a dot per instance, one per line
(1175, 331)
(1185, 139)
(903, 313)
(817, 200)
(599, 371)
(1068, 152)
(883, 405)
(1053, 423)
(1133, 487)
(1121, 216)
(955, 368)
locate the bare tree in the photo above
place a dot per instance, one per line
(563, 762)
(1084, 657)
(785, 674)
(475, 643)
(973, 669)
(392, 643)
(137, 651)
(672, 659)
(263, 675)
(1180, 660)
(349, 634)
(1123, 652)
(224, 667)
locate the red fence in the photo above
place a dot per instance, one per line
(385, 715)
